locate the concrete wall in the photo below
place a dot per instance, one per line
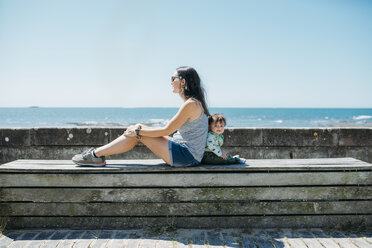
(251, 143)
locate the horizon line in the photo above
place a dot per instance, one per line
(30, 107)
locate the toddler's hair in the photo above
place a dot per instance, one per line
(216, 118)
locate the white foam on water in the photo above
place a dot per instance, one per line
(278, 121)
(88, 123)
(362, 117)
(156, 122)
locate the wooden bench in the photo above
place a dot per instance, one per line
(146, 193)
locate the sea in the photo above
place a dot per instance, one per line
(236, 117)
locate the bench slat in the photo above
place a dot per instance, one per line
(184, 194)
(205, 179)
(191, 222)
(156, 165)
(184, 208)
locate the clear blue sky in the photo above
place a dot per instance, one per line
(270, 53)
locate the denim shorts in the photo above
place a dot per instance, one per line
(180, 155)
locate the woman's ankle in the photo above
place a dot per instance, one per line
(98, 153)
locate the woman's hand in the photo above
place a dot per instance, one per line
(131, 131)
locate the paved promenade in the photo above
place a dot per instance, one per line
(190, 238)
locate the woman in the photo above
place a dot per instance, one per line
(186, 148)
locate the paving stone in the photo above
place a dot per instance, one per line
(179, 241)
(10, 237)
(368, 237)
(277, 238)
(323, 238)
(24, 239)
(86, 239)
(293, 239)
(248, 241)
(163, 242)
(214, 239)
(118, 238)
(56, 238)
(151, 240)
(231, 241)
(71, 239)
(309, 240)
(133, 240)
(149, 243)
(198, 239)
(342, 240)
(103, 239)
(261, 240)
(184, 237)
(359, 241)
(40, 239)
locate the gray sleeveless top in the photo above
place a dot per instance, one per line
(193, 134)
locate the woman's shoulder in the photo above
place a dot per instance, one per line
(192, 103)
(193, 108)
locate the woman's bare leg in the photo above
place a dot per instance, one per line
(158, 145)
(119, 145)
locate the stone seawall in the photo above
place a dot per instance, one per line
(250, 143)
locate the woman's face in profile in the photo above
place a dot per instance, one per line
(176, 83)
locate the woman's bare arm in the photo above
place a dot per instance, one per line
(186, 111)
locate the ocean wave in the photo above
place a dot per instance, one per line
(95, 124)
(362, 117)
(156, 122)
(278, 121)
(349, 124)
(149, 122)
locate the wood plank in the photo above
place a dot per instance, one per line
(184, 194)
(156, 165)
(185, 209)
(189, 222)
(207, 179)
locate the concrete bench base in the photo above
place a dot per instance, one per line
(146, 193)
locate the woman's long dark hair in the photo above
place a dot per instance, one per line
(193, 87)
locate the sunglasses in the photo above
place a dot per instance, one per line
(173, 78)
